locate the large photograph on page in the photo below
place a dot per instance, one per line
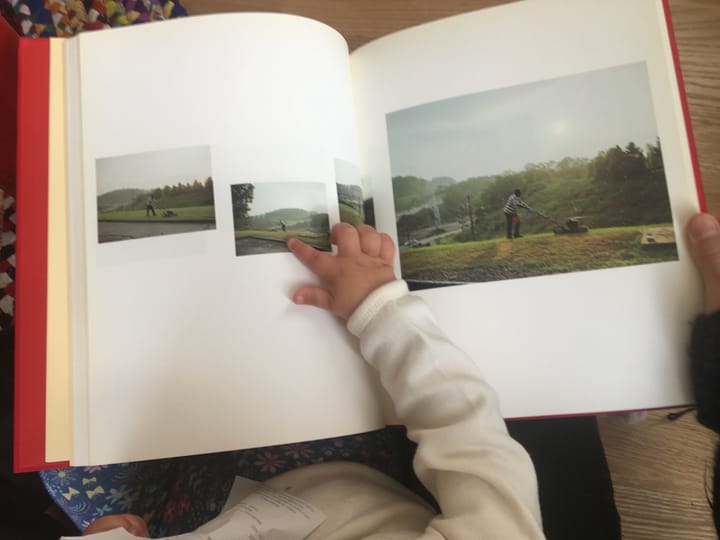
(559, 175)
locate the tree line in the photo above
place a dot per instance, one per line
(620, 186)
(193, 193)
(242, 196)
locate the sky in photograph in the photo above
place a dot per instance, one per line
(271, 196)
(346, 172)
(503, 130)
(151, 170)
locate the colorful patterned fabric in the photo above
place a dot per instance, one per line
(61, 18)
(7, 261)
(178, 495)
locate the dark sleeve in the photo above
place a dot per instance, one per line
(705, 369)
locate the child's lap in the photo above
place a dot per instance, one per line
(177, 495)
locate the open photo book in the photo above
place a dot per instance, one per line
(532, 162)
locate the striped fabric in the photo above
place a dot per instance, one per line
(512, 204)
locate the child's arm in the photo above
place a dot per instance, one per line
(483, 480)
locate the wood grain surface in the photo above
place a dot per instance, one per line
(660, 468)
(662, 473)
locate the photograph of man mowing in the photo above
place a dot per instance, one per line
(512, 220)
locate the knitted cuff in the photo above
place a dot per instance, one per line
(373, 303)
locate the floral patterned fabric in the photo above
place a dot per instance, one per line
(178, 495)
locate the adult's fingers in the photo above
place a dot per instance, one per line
(704, 239)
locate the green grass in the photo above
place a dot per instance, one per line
(188, 213)
(312, 238)
(349, 215)
(533, 255)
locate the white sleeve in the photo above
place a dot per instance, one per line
(482, 479)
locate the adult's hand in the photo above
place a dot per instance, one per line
(703, 232)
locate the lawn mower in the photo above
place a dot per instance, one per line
(572, 225)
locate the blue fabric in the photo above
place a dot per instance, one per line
(178, 495)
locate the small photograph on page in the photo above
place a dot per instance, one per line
(154, 194)
(560, 175)
(267, 214)
(356, 205)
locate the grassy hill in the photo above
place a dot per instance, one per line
(286, 214)
(116, 199)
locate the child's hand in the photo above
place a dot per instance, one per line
(133, 524)
(364, 262)
(704, 239)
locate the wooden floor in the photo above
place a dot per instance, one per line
(661, 472)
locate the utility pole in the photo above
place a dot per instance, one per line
(470, 215)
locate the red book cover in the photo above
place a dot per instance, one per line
(33, 89)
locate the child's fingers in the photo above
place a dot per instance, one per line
(308, 255)
(334, 232)
(370, 240)
(345, 237)
(313, 296)
(387, 248)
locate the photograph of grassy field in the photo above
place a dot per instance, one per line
(541, 254)
(155, 194)
(265, 215)
(351, 202)
(561, 175)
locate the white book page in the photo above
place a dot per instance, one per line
(599, 340)
(192, 348)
